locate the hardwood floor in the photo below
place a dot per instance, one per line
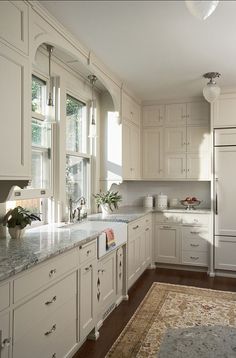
(114, 324)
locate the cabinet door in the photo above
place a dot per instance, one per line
(167, 244)
(130, 109)
(175, 166)
(148, 242)
(134, 147)
(224, 111)
(198, 113)
(225, 258)
(119, 270)
(175, 140)
(152, 153)
(5, 339)
(198, 139)
(131, 260)
(88, 279)
(126, 153)
(142, 250)
(198, 166)
(107, 267)
(153, 116)
(175, 114)
(15, 123)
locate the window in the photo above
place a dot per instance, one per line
(77, 159)
(38, 95)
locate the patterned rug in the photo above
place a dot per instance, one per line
(166, 307)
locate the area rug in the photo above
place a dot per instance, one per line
(166, 307)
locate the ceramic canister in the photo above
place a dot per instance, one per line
(161, 201)
(148, 201)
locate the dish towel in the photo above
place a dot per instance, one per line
(110, 238)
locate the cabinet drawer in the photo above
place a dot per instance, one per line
(43, 305)
(195, 237)
(43, 275)
(195, 258)
(5, 339)
(194, 244)
(88, 252)
(43, 339)
(134, 227)
(168, 218)
(195, 219)
(4, 296)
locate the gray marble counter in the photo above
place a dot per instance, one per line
(39, 244)
(128, 214)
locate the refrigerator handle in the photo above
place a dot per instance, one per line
(216, 198)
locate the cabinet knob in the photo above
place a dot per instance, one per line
(135, 227)
(88, 268)
(54, 355)
(147, 229)
(88, 252)
(54, 327)
(5, 343)
(52, 272)
(194, 257)
(194, 245)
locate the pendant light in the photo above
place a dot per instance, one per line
(201, 9)
(211, 91)
(92, 129)
(50, 108)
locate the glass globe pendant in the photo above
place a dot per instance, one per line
(211, 91)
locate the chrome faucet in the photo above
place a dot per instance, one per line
(72, 213)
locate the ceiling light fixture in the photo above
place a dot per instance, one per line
(92, 80)
(50, 108)
(201, 9)
(211, 91)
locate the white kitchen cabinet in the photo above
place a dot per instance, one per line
(175, 114)
(119, 272)
(15, 123)
(175, 140)
(198, 139)
(153, 153)
(148, 240)
(130, 109)
(198, 113)
(224, 111)
(225, 258)
(198, 166)
(195, 245)
(167, 248)
(153, 116)
(87, 291)
(106, 282)
(130, 150)
(5, 337)
(175, 166)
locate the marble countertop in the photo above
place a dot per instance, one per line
(128, 214)
(39, 244)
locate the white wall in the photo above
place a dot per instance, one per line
(133, 192)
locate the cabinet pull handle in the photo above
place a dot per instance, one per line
(194, 257)
(89, 268)
(54, 327)
(5, 343)
(147, 229)
(194, 232)
(47, 303)
(216, 199)
(88, 252)
(135, 227)
(165, 227)
(194, 245)
(52, 272)
(54, 355)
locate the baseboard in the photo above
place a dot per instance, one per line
(225, 274)
(182, 267)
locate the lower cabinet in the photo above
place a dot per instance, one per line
(5, 338)
(167, 244)
(139, 247)
(182, 239)
(87, 301)
(225, 258)
(106, 282)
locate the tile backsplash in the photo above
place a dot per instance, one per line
(133, 192)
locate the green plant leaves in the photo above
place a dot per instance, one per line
(110, 197)
(19, 217)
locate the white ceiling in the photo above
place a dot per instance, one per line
(157, 47)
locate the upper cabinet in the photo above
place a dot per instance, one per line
(15, 116)
(185, 130)
(224, 111)
(130, 151)
(14, 24)
(130, 109)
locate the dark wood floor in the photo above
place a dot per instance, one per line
(120, 316)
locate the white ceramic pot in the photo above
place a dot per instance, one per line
(106, 209)
(16, 232)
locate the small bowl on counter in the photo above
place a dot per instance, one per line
(190, 204)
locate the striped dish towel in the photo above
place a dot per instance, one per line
(110, 238)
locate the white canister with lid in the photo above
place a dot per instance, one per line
(148, 201)
(161, 201)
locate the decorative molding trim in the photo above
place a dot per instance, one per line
(173, 100)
